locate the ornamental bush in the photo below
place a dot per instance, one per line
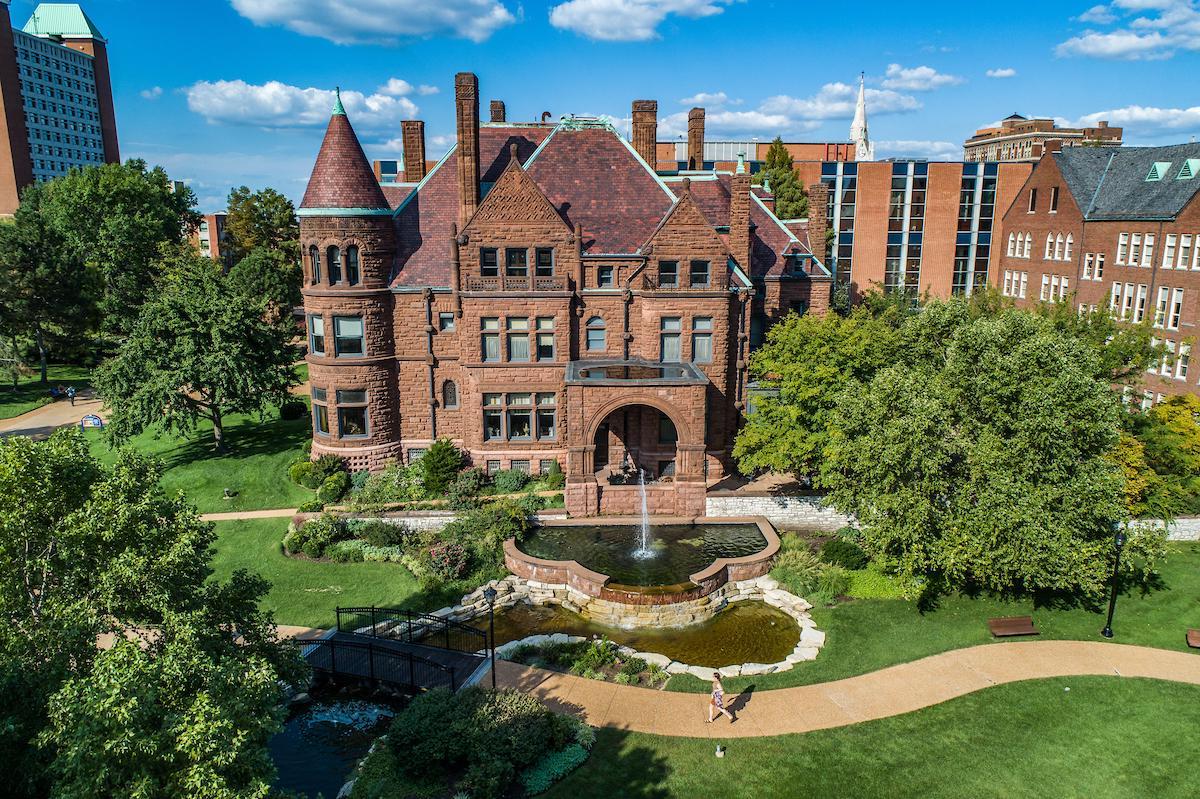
(350, 551)
(601, 652)
(326, 466)
(448, 561)
(379, 533)
(509, 481)
(798, 570)
(439, 465)
(301, 473)
(465, 489)
(834, 583)
(552, 768)
(395, 483)
(554, 477)
(840, 552)
(334, 487)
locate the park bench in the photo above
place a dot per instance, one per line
(1193, 639)
(1006, 626)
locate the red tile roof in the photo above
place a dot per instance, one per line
(396, 192)
(342, 176)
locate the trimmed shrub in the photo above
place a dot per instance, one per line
(847, 554)
(345, 551)
(292, 409)
(633, 667)
(439, 465)
(359, 479)
(554, 477)
(379, 533)
(395, 483)
(316, 534)
(552, 768)
(328, 464)
(334, 487)
(382, 554)
(482, 533)
(798, 570)
(301, 473)
(311, 506)
(509, 481)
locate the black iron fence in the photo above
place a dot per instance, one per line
(411, 627)
(378, 663)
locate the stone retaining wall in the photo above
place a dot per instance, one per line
(1185, 528)
(793, 511)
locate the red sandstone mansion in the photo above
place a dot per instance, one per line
(541, 295)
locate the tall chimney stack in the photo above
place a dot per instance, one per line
(498, 111)
(696, 138)
(645, 130)
(739, 215)
(412, 138)
(818, 219)
(466, 101)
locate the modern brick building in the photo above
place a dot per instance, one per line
(1115, 228)
(56, 95)
(210, 239)
(923, 226)
(1021, 139)
(541, 295)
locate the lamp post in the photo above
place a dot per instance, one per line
(1119, 542)
(489, 594)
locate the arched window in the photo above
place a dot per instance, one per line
(352, 265)
(1012, 244)
(334, 257)
(314, 257)
(596, 338)
(1028, 244)
(1049, 246)
(1058, 247)
(1067, 250)
(449, 395)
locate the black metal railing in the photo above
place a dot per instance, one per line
(411, 627)
(377, 663)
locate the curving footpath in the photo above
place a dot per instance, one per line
(878, 694)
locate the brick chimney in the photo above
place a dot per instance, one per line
(739, 215)
(412, 137)
(695, 148)
(645, 130)
(498, 111)
(818, 219)
(466, 101)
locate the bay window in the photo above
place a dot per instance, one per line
(316, 335)
(348, 336)
(352, 414)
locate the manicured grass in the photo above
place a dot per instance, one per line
(1105, 737)
(32, 393)
(255, 465)
(868, 634)
(305, 592)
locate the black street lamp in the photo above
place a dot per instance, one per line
(489, 594)
(1119, 541)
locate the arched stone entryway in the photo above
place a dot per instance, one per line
(628, 413)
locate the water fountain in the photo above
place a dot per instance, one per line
(644, 551)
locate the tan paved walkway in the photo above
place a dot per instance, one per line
(43, 421)
(235, 515)
(888, 692)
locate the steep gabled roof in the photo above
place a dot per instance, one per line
(686, 213)
(1110, 182)
(515, 197)
(342, 176)
(593, 178)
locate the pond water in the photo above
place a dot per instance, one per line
(679, 550)
(744, 632)
(320, 744)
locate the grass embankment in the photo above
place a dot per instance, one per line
(1105, 737)
(864, 635)
(33, 393)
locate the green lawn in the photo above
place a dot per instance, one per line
(255, 465)
(32, 393)
(1105, 737)
(305, 592)
(868, 634)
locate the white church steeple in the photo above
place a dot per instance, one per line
(864, 150)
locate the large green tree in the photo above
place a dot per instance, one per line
(46, 288)
(200, 350)
(88, 551)
(117, 219)
(791, 200)
(263, 219)
(271, 276)
(983, 457)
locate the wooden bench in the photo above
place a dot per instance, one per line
(1006, 626)
(1193, 639)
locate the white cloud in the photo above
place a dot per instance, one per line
(279, 105)
(836, 101)
(395, 87)
(425, 90)
(930, 150)
(1146, 120)
(917, 79)
(731, 123)
(709, 99)
(1002, 72)
(153, 93)
(1139, 30)
(386, 22)
(627, 20)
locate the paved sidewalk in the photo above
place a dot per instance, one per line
(235, 515)
(887, 692)
(41, 422)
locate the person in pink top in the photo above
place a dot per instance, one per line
(717, 700)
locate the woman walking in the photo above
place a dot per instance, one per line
(717, 700)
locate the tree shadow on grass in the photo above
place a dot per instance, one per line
(247, 439)
(616, 769)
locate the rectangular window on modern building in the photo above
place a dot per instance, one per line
(516, 262)
(1185, 252)
(348, 336)
(1169, 247)
(518, 339)
(352, 414)
(668, 274)
(489, 263)
(669, 331)
(320, 411)
(699, 273)
(544, 263)
(490, 339)
(702, 350)
(316, 335)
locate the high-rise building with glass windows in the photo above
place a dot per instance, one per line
(56, 94)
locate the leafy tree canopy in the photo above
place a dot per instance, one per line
(198, 351)
(263, 219)
(791, 200)
(270, 276)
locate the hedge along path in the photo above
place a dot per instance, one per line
(887, 692)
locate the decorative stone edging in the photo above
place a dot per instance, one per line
(514, 590)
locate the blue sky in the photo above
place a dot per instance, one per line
(231, 92)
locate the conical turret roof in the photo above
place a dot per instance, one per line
(342, 176)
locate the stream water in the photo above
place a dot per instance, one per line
(320, 743)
